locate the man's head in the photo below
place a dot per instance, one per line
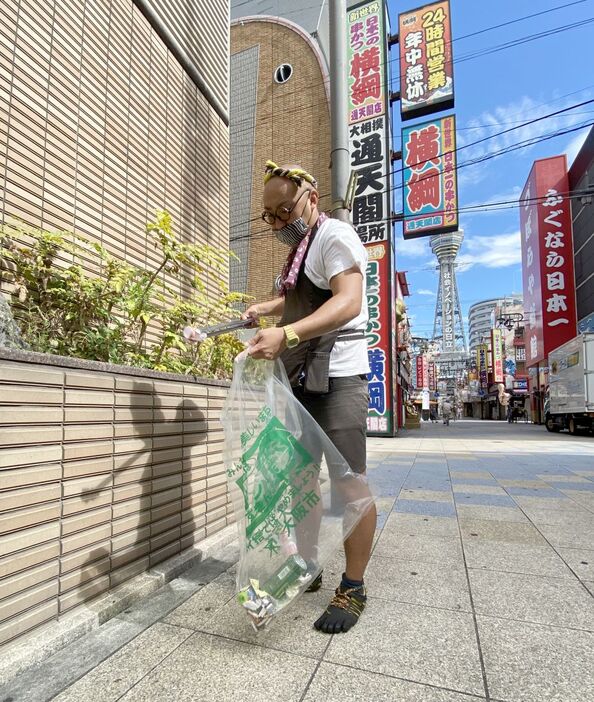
(290, 193)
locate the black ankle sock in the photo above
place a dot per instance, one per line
(350, 584)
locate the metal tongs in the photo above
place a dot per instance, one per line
(199, 335)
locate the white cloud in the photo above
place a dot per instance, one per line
(426, 292)
(506, 117)
(491, 252)
(412, 248)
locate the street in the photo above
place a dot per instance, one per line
(481, 587)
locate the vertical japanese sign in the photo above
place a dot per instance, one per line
(420, 372)
(447, 309)
(497, 355)
(370, 159)
(432, 377)
(426, 66)
(368, 130)
(379, 340)
(429, 182)
(481, 364)
(547, 259)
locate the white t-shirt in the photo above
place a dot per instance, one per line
(336, 248)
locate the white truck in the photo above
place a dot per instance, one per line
(570, 399)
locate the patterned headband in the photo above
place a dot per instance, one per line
(297, 175)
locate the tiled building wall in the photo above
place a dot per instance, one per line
(292, 125)
(102, 475)
(100, 126)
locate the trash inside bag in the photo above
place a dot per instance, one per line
(295, 497)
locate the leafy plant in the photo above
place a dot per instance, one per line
(123, 313)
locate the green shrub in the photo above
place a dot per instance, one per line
(124, 314)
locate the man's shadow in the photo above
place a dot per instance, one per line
(149, 484)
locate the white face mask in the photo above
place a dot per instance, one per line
(292, 234)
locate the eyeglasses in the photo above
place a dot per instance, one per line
(282, 213)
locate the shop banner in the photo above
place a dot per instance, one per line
(547, 259)
(497, 355)
(426, 66)
(380, 419)
(429, 182)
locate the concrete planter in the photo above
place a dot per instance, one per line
(105, 471)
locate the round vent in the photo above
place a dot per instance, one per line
(283, 73)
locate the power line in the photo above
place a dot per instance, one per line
(482, 52)
(501, 152)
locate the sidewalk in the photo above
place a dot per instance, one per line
(481, 587)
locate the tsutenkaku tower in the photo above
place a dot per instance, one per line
(448, 328)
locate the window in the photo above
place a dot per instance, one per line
(283, 73)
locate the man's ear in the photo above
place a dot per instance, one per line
(314, 198)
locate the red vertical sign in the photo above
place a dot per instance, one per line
(547, 259)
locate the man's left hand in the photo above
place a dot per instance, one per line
(268, 343)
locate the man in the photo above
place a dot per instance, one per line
(446, 411)
(323, 307)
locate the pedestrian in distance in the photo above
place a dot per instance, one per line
(322, 303)
(446, 412)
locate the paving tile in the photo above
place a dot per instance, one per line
(568, 516)
(569, 536)
(291, 631)
(590, 585)
(418, 583)
(431, 495)
(553, 503)
(434, 509)
(586, 486)
(468, 488)
(506, 532)
(580, 560)
(363, 685)
(445, 550)
(206, 668)
(506, 482)
(472, 474)
(567, 477)
(402, 523)
(424, 645)
(469, 498)
(515, 558)
(497, 514)
(585, 499)
(536, 663)
(485, 482)
(121, 671)
(534, 492)
(555, 601)
(198, 610)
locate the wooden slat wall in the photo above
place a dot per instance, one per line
(100, 126)
(101, 477)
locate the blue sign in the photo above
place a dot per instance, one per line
(586, 324)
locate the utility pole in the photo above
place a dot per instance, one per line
(339, 122)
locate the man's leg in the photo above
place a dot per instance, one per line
(358, 545)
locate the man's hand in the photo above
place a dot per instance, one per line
(268, 343)
(252, 313)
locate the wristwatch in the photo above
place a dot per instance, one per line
(292, 338)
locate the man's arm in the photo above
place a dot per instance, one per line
(271, 308)
(344, 305)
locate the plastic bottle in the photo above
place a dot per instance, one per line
(290, 571)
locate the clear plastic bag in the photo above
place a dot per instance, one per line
(295, 497)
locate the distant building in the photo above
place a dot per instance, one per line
(480, 318)
(581, 180)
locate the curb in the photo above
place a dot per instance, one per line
(54, 636)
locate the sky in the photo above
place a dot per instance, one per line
(494, 92)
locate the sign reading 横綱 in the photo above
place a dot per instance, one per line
(426, 70)
(368, 118)
(379, 338)
(547, 259)
(429, 182)
(497, 355)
